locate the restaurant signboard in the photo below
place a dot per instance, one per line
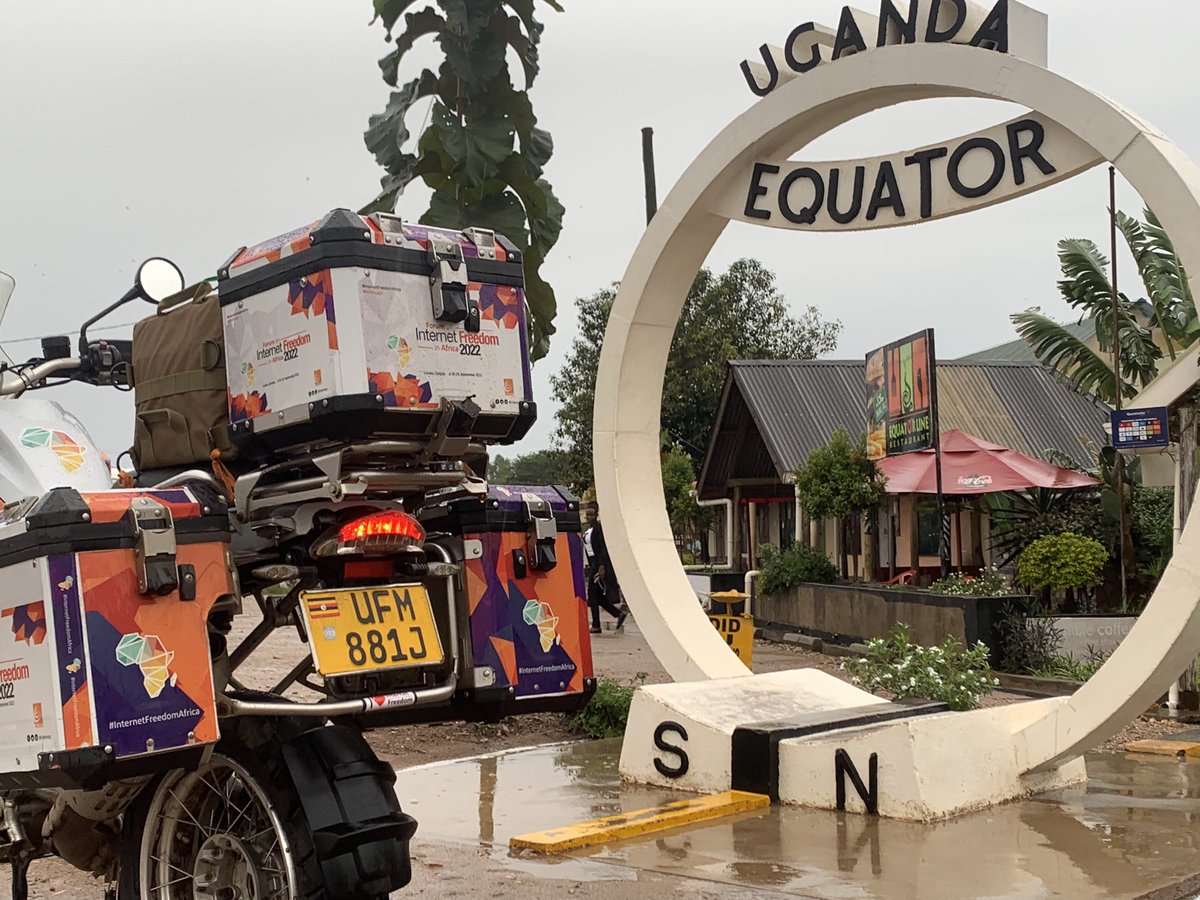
(901, 397)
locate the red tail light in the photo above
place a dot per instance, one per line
(388, 524)
(378, 534)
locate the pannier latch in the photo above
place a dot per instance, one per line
(154, 547)
(448, 284)
(541, 533)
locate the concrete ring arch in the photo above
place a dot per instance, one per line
(633, 360)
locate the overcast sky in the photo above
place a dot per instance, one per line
(156, 127)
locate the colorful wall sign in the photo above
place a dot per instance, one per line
(1140, 429)
(900, 396)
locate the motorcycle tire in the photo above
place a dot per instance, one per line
(237, 829)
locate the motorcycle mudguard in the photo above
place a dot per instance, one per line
(359, 831)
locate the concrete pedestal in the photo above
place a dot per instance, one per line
(808, 738)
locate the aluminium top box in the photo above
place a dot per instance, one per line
(358, 327)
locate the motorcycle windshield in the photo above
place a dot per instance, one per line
(7, 285)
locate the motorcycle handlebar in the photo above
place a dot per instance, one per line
(14, 381)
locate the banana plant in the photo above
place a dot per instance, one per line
(483, 154)
(1164, 320)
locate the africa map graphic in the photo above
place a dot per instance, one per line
(66, 448)
(542, 616)
(147, 652)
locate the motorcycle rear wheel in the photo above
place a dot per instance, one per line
(234, 830)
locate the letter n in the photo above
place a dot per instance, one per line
(844, 766)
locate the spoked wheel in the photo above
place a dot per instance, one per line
(214, 834)
(234, 829)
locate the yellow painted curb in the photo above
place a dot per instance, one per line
(641, 822)
(1164, 748)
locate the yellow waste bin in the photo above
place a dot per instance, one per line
(738, 630)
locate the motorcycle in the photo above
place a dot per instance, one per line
(355, 545)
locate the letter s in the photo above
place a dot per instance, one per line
(677, 771)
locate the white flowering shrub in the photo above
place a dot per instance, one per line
(906, 670)
(988, 583)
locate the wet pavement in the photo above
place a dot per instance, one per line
(1131, 829)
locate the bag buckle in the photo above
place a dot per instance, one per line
(154, 546)
(448, 283)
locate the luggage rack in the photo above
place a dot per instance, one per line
(385, 469)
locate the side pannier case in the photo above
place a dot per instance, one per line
(373, 327)
(107, 668)
(522, 555)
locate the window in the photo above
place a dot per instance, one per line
(787, 524)
(762, 524)
(927, 525)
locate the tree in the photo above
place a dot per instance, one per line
(1164, 321)
(482, 154)
(1067, 562)
(538, 467)
(838, 481)
(679, 478)
(737, 314)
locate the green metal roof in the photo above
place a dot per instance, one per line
(1020, 349)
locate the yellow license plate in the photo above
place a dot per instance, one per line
(371, 629)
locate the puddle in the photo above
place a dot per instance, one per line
(1129, 830)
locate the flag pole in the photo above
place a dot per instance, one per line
(648, 173)
(1118, 460)
(935, 426)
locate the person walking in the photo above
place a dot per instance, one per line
(602, 580)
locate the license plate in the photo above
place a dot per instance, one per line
(371, 629)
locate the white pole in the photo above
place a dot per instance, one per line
(1173, 691)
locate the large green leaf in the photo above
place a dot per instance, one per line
(542, 303)
(1170, 279)
(1162, 292)
(431, 146)
(416, 26)
(459, 13)
(1085, 269)
(390, 11)
(542, 208)
(1058, 348)
(539, 148)
(476, 62)
(502, 97)
(1086, 286)
(478, 147)
(508, 29)
(387, 132)
(524, 10)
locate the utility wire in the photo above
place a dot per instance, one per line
(39, 337)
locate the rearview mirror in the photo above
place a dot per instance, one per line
(157, 279)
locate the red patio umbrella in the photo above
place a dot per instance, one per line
(971, 465)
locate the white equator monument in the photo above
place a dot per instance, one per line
(804, 736)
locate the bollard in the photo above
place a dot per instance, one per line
(738, 630)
